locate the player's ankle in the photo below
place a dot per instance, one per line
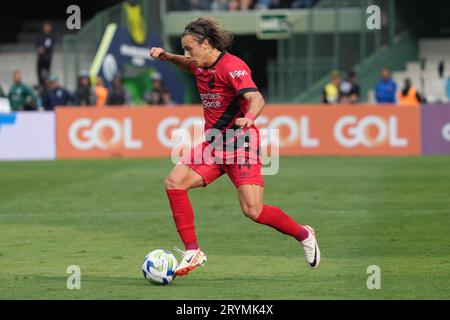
(304, 234)
(191, 246)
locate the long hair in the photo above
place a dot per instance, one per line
(205, 29)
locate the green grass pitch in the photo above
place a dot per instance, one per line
(106, 215)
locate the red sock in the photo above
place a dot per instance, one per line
(183, 215)
(277, 219)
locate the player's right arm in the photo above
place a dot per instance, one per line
(181, 62)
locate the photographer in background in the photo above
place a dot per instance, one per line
(44, 48)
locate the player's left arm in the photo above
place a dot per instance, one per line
(256, 104)
(240, 77)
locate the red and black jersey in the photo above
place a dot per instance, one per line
(221, 87)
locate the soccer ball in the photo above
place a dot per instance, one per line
(159, 267)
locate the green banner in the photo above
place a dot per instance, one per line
(273, 26)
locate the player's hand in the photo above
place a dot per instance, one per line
(244, 122)
(157, 53)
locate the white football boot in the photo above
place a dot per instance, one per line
(191, 260)
(311, 248)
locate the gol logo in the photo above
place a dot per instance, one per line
(370, 131)
(446, 132)
(191, 131)
(105, 133)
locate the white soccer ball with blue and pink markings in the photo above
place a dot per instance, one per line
(159, 267)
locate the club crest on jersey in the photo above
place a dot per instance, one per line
(211, 82)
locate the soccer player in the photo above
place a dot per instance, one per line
(231, 101)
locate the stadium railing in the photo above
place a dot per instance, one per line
(298, 74)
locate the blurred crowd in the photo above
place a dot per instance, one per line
(91, 91)
(386, 90)
(50, 93)
(235, 5)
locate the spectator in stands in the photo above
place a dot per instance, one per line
(262, 4)
(297, 4)
(44, 47)
(386, 88)
(21, 97)
(42, 93)
(201, 5)
(220, 5)
(273, 4)
(409, 96)
(57, 95)
(331, 92)
(178, 5)
(37, 91)
(101, 93)
(84, 95)
(441, 69)
(447, 87)
(154, 96)
(118, 95)
(350, 89)
(2, 93)
(236, 5)
(167, 98)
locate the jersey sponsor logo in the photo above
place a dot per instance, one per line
(238, 73)
(207, 104)
(210, 96)
(210, 100)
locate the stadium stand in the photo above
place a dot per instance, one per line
(424, 73)
(22, 54)
(326, 37)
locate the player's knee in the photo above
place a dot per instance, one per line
(173, 184)
(252, 211)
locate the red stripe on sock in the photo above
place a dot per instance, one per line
(274, 217)
(183, 215)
